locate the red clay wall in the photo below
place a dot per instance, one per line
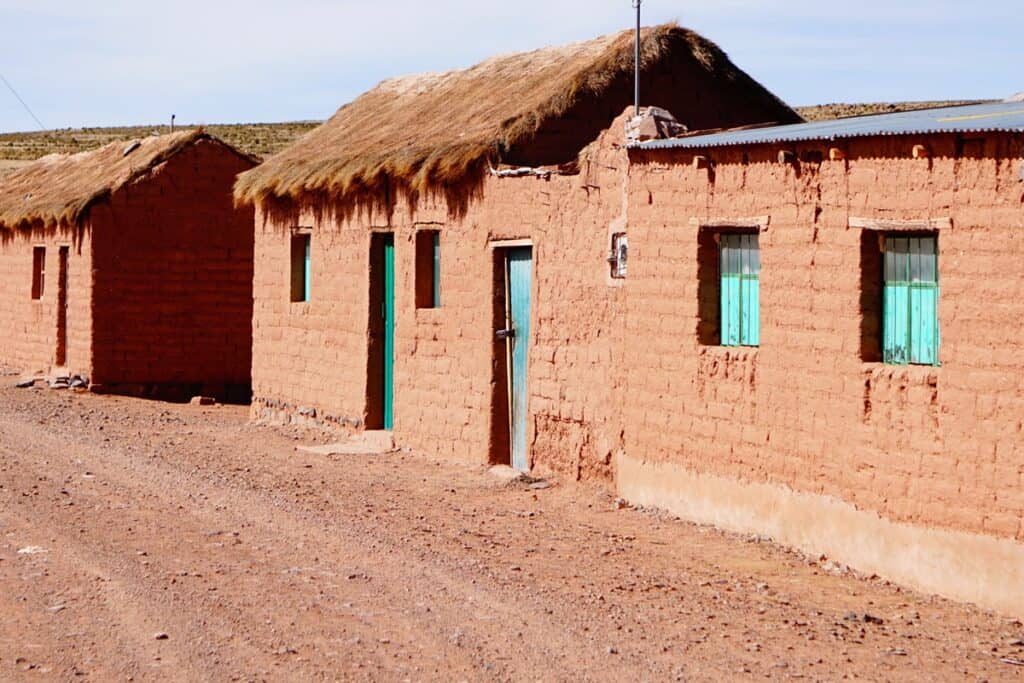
(313, 356)
(173, 262)
(934, 446)
(29, 327)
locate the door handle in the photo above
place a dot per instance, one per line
(504, 334)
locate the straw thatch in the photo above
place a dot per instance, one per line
(58, 190)
(436, 134)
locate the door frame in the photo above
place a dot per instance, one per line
(376, 412)
(60, 358)
(501, 374)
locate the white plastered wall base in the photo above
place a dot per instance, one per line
(962, 566)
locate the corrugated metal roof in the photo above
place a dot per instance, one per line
(975, 118)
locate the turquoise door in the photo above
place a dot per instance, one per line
(388, 312)
(519, 271)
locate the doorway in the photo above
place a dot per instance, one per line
(515, 291)
(61, 354)
(380, 371)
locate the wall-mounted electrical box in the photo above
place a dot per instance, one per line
(619, 254)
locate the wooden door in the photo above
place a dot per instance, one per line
(61, 355)
(388, 312)
(519, 285)
(380, 367)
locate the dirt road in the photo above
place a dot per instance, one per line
(146, 541)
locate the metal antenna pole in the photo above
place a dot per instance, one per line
(636, 86)
(23, 103)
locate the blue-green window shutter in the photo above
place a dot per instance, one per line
(740, 267)
(437, 270)
(910, 301)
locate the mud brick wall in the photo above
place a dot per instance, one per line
(813, 409)
(310, 358)
(173, 258)
(28, 328)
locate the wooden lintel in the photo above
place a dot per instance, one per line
(893, 225)
(758, 222)
(504, 244)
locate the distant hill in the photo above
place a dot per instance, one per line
(261, 139)
(822, 112)
(265, 139)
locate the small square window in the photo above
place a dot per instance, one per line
(428, 269)
(38, 272)
(301, 267)
(910, 300)
(619, 256)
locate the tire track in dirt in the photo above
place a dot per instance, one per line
(238, 595)
(121, 617)
(154, 480)
(462, 579)
(132, 607)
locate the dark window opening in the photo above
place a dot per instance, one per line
(428, 269)
(301, 267)
(871, 245)
(707, 288)
(38, 272)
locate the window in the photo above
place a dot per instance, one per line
(739, 267)
(38, 272)
(619, 255)
(428, 269)
(301, 267)
(910, 300)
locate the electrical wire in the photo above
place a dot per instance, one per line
(23, 103)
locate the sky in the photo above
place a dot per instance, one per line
(82, 63)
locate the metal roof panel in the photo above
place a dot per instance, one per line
(975, 118)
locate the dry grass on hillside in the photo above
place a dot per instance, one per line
(823, 112)
(259, 139)
(8, 165)
(265, 139)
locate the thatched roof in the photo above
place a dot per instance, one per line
(59, 190)
(434, 133)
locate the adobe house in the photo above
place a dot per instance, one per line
(434, 260)
(130, 266)
(839, 365)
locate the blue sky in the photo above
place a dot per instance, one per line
(81, 63)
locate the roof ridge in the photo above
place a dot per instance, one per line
(60, 189)
(437, 133)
